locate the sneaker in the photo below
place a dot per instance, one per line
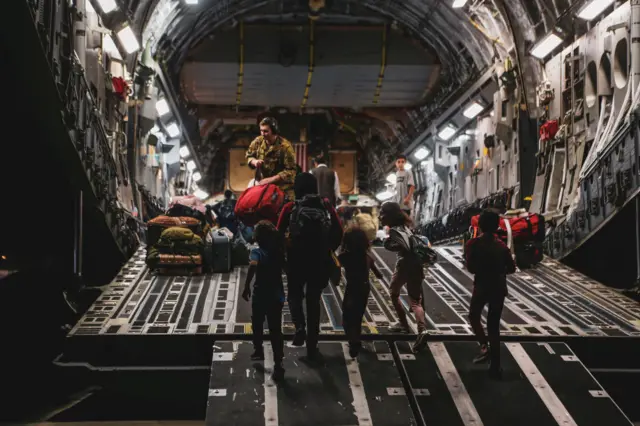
(258, 354)
(482, 356)
(299, 338)
(278, 373)
(398, 328)
(421, 342)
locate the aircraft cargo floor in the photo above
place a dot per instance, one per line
(558, 327)
(542, 384)
(550, 300)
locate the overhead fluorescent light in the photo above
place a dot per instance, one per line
(408, 166)
(391, 178)
(384, 195)
(201, 194)
(593, 9)
(191, 1)
(457, 4)
(162, 107)
(546, 45)
(196, 177)
(421, 153)
(109, 46)
(473, 110)
(184, 151)
(128, 40)
(447, 132)
(107, 5)
(173, 130)
(191, 165)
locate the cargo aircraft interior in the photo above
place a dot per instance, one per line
(160, 152)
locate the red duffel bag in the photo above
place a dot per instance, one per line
(259, 203)
(526, 228)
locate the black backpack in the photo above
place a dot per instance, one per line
(226, 211)
(420, 247)
(310, 221)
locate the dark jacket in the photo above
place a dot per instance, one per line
(490, 260)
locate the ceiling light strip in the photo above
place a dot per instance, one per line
(383, 65)
(312, 62)
(241, 68)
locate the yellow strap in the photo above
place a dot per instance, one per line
(241, 68)
(383, 65)
(312, 62)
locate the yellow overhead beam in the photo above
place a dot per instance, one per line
(241, 68)
(312, 63)
(383, 65)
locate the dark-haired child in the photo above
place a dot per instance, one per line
(266, 263)
(489, 259)
(356, 260)
(409, 270)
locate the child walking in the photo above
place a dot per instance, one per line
(356, 260)
(266, 263)
(409, 270)
(489, 259)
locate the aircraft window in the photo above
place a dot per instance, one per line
(620, 64)
(591, 85)
(604, 76)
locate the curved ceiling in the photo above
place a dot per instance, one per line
(466, 42)
(173, 26)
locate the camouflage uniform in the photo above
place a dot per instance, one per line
(279, 158)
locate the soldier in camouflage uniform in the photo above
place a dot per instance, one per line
(275, 156)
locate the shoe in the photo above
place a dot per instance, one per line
(278, 373)
(258, 354)
(299, 338)
(482, 356)
(421, 342)
(354, 349)
(398, 328)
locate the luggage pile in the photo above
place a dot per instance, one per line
(176, 240)
(183, 241)
(522, 232)
(178, 251)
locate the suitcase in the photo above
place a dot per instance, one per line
(220, 251)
